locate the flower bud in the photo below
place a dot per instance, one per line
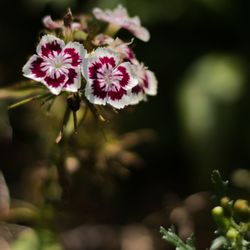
(218, 215)
(226, 204)
(74, 102)
(217, 212)
(241, 210)
(232, 234)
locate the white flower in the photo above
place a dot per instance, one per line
(119, 16)
(108, 80)
(56, 65)
(58, 24)
(147, 83)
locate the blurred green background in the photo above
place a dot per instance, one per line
(199, 51)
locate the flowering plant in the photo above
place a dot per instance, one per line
(82, 59)
(232, 218)
(80, 65)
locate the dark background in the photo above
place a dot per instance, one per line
(199, 51)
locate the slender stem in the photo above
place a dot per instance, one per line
(75, 121)
(28, 100)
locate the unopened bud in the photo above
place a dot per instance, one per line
(232, 234)
(74, 102)
(224, 202)
(218, 215)
(217, 212)
(227, 207)
(241, 210)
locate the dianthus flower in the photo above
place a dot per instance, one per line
(119, 17)
(122, 48)
(147, 83)
(102, 39)
(108, 80)
(56, 65)
(59, 24)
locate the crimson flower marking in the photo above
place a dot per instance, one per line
(56, 65)
(147, 83)
(108, 81)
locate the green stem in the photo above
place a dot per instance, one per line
(40, 96)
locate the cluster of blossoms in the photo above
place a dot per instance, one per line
(74, 57)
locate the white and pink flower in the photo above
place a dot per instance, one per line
(49, 23)
(147, 83)
(108, 80)
(123, 49)
(102, 40)
(119, 17)
(56, 65)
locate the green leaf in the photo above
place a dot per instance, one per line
(171, 237)
(40, 96)
(218, 243)
(36, 240)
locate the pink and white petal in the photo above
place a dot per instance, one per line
(136, 95)
(102, 39)
(84, 66)
(135, 20)
(128, 79)
(107, 53)
(95, 61)
(49, 45)
(121, 11)
(50, 24)
(33, 69)
(74, 81)
(75, 53)
(76, 26)
(92, 68)
(98, 13)
(122, 49)
(95, 94)
(150, 83)
(55, 84)
(140, 32)
(103, 15)
(118, 98)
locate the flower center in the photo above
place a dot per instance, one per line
(58, 65)
(108, 78)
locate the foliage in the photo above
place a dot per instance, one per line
(231, 217)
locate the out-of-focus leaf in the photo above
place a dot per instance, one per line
(214, 79)
(4, 197)
(20, 90)
(36, 240)
(5, 127)
(218, 243)
(240, 178)
(171, 237)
